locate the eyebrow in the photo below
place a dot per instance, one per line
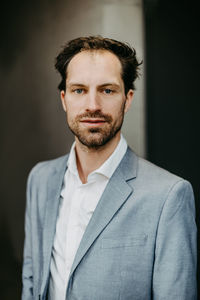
(100, 86)
(75, 84)
(109, 84)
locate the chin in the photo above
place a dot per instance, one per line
(96, 140)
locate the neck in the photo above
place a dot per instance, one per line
(90, 159)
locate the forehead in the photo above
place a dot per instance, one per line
(94, 64)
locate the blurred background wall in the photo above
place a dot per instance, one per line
(162, 124)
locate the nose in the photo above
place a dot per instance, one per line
(93, 101)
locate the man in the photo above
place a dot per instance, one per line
(102, 223)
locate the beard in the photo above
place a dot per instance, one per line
(96, 137)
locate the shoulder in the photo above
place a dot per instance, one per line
(155, 178)
(159, 187)
(43, 170)
(161, 179)
(148, 169)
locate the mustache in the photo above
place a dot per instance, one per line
(95, 114)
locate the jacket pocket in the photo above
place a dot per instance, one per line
(125, 241)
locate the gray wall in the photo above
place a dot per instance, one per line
(33, 126)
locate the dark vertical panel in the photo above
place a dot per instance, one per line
(31, 120)
(172, 79)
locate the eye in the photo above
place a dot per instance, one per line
(78, 91)
(108, 91)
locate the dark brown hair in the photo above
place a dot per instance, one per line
(125, 53)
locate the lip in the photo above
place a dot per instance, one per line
(93, 122)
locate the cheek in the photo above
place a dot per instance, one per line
(72, 111)
(118, 109)
(114, 105)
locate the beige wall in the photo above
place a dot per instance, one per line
(123, 20)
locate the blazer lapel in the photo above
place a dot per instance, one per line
(54, 186)
(116, 193)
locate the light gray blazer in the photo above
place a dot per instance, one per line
(140, 243)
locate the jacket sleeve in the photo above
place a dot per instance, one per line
(27, 272)
(174, 275)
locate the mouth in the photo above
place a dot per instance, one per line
(93, 122)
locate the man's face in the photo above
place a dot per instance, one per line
(94, 99)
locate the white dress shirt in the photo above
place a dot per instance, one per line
(77, 204)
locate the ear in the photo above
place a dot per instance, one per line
(62, 96)
(129, 99)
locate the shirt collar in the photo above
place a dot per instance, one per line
(108, 167)
(72, 160)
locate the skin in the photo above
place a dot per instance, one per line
(95, 104)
